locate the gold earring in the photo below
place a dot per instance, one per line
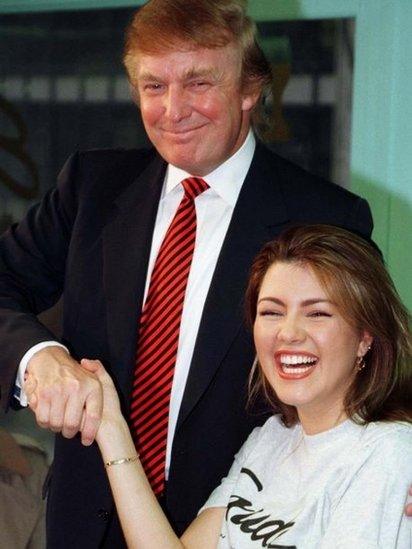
(360, 363)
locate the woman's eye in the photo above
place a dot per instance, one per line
(268, 312)
(319, 314)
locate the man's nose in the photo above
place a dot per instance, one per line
(177, 105)
(290, 330)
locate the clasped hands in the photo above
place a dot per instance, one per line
(69, 397)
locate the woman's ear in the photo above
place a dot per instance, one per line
(365, 343)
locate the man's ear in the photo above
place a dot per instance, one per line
(250, 95)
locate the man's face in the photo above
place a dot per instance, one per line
(193, 107)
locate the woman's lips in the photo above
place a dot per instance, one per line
(293, 365)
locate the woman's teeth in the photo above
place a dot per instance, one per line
(296, 364)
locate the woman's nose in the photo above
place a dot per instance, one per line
(290, 330)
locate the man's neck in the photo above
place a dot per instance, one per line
(234, 169)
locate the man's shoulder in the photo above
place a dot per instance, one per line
(119, 157)
(294, 178)
(104, 173)
(308, 198)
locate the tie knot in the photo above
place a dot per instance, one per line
(194, 186)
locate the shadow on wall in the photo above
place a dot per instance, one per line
(392, 213)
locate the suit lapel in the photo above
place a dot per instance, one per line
(259, 209)
(126, 248)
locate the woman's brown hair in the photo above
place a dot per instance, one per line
(354, 276)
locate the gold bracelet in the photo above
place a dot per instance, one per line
(120, 461)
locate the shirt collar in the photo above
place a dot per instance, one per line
(226, 180)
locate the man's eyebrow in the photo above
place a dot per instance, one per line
(194, 72)
(305, 303)
(189, 74)
(146, 75)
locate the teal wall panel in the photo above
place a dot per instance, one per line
(382, 141)
(18, 6)
(265, 10)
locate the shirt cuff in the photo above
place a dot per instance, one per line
(19, 393)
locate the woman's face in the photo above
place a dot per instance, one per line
(306, 349)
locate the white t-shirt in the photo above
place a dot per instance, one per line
(341, 489)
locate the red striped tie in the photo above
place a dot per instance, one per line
(159, 336)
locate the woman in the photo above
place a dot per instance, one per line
(332, 466)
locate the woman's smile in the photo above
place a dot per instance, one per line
(294, 365)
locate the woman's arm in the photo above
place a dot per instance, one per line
(143, 521)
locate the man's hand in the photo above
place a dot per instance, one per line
(64, 396)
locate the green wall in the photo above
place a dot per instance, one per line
(381, 163)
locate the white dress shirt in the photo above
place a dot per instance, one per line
(214, 209)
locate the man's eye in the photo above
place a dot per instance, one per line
(153, 87)
(200, 84)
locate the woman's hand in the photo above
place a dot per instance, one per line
(111, 405)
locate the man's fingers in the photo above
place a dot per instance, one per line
(408, 510)
(72, 417)
(29, 388)
(58, 388)
(95, 367)
(42, 412)
(57, 409)
(32, 401)
(91, 417)
(90, 365)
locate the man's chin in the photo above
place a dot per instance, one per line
(184, 160)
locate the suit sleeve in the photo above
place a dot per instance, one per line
(32, 269)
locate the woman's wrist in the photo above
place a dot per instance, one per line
(114, 440)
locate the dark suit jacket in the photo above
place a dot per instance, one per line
(90, 239)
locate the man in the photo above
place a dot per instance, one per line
(198, 77)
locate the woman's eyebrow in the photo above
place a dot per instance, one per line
(304, 303)
(315, 301)
(272, 300)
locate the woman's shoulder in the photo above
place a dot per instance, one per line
(390, 441)
(275, 426)
(381, 431)
(273, 431)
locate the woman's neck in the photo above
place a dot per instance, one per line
(317, 421)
